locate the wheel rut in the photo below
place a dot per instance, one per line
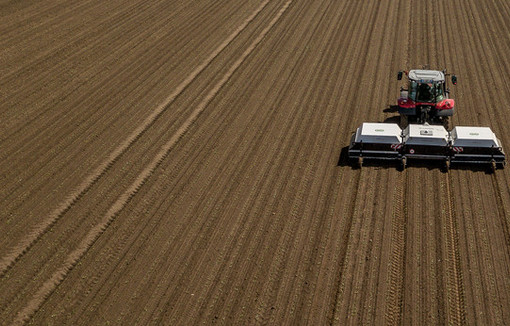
(455, 304)
(395, 292)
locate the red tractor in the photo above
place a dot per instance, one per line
(426, 99)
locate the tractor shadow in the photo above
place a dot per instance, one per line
(392, 119)
(391, 109)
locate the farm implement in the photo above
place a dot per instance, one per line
(427, 105)
(424, 142)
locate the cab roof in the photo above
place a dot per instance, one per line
(426, 76)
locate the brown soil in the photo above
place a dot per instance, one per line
(177, 162)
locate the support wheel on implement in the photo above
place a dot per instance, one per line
(447, 165)
(493, 166)
(360, 162)
(403, 163)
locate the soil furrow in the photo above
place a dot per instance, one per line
(455, 289)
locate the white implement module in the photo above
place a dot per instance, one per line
(386, 141)
(476, 145)
(380, 141)
(425, 142)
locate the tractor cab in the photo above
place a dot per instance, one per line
(426, 99)
(426, 86)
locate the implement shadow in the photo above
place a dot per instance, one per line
(343, 160)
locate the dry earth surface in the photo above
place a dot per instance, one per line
(177, 162)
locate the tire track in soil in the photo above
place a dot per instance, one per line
(347, 230)
(505, 222)
(395, 292)
(138, 146)
(388, 304)
(479, 252)
(297, 130)
(455, 306)
(8, 260)
(157, 263)
(50, 285)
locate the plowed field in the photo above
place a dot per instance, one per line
(178, 163)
